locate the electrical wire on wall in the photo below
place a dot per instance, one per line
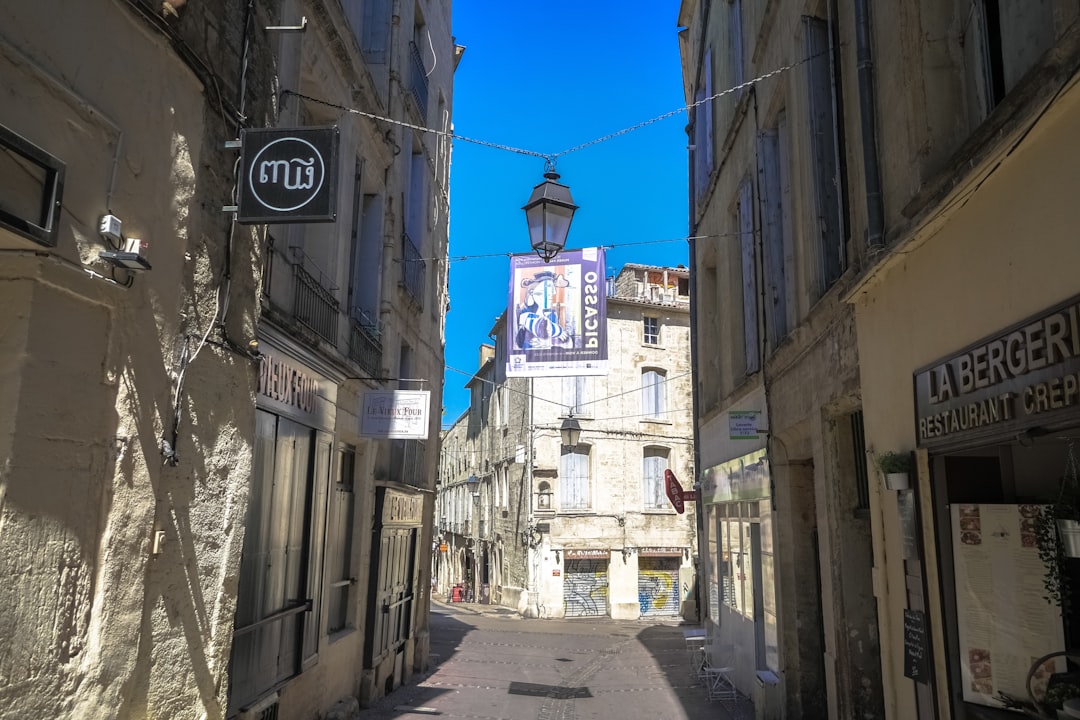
(223, 291)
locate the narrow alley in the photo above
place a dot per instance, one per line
(492, 664)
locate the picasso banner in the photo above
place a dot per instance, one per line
(556, 319)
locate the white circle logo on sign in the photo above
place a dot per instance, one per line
(289, 171)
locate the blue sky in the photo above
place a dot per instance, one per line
(547, 77)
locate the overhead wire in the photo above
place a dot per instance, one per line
(578, 405)
(552, 158)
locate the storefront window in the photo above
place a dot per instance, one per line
(736, 561)
(714, 563)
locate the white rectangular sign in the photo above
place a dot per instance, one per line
(395, 414)
(743, 424)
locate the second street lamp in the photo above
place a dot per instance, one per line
(570, 431)
(549, 212)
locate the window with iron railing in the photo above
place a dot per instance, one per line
(365, 342)
(419, 81)
(314, 306)
(413, 270)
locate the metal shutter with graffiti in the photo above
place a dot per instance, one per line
(658, 585)
(585, 588)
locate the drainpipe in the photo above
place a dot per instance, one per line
(699, 509)
(875, 216)
(532, 560)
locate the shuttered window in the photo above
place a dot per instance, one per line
(653, 394)
(749, 278)
(654, 463)
(574, 478)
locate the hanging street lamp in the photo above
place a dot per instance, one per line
(570, 431)
(549, 212)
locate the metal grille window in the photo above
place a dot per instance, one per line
(651, 328)
(653, 394)
(413, 270)
(314, 306)
(365, 345)
(419, 80)
(574, 478)
(654, 463)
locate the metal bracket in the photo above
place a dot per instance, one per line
(289, 28)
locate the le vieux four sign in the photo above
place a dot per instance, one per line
(1028, 374)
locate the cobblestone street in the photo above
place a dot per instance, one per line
(494, 665)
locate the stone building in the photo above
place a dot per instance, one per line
(188, 492)
(784, 486)
(969, 344)
(559, 531)
(884, 265)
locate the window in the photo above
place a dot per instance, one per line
(543, 496)
(824, 145)
(703, 126)
(574, 478)
(651, 329)
(858, 451)
(418, 84)
(1006, 39)
(575, 394)
(738, 73)
(339, 542)
(374, 33)
(654, 463)
(775, 188)
(31, 187)
(749, 277)
(653, 394)
(737, 568)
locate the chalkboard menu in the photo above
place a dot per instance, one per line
(916, 653)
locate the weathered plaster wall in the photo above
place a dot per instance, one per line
(99, 626)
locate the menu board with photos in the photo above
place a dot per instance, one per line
(1004, 621)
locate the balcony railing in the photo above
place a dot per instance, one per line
(297, 295)
(419, 80)
(413, 270)
(314, 306)
(365, 342)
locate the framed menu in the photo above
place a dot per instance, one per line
(1003, 620)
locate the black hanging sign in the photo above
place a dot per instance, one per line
(916, 653)
(288, 175)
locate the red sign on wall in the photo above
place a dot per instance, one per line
(675, 493)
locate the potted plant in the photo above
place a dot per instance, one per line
(1057, 695)
(896, 469)
(1057, 534)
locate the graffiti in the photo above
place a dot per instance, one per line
(657, 589)
(585, 589)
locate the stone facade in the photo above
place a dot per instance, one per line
(152, 410)
(978, 254)
(516, 531)
(787, 520)
(859, 209)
